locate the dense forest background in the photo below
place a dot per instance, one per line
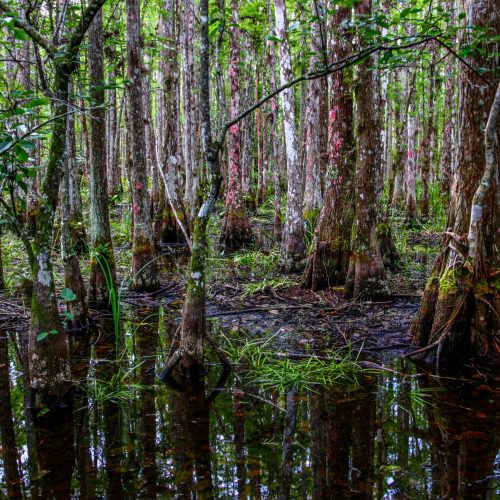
(228, 227)
(126, 126)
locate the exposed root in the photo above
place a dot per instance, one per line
(176, 354)
(175, 359)
(422, 350)
(220, 353)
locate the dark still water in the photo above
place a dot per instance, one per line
(121, 434)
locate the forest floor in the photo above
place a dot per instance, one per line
(249, 298)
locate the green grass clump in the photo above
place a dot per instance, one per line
(268, 284)
(120, 389)
(271, 370)
(257, 260)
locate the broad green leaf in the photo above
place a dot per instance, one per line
(67, 294)
(4, 146)
(42, 336)
(20, 34)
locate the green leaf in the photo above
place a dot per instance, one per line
(39, 101)
(4, 146)
(42, 335)
(21, 155)
(67, 294)
(20, 34)
(69, 316)
(273, 38)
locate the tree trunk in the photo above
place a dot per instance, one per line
(144, 265)
(427, 147)
(275, 137)
(411, 168)
(192, 183)
(236, 230)
(459, 310)
(102, 263)
(329, 260)
(49, 358)
(293, 245)
(75, 223)
(366, 276)
(313, 197)
(171, 154)
(448, 139)
(73, 279)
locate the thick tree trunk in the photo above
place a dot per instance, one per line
(102, 263)
(236, 231)
(293, 244)
(459, 312)
(366, 276)
(275, 154)
(329, 261)
(448, 139)
(171, 154)
(144, 265)
(192, 183)
(427, 151)
(49, 358)
(73, 279)
(313, 196)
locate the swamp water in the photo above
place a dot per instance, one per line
(122, 434)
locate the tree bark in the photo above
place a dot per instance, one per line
(427, 150)
(73, 278)
(171, 154)
(236, 231)
(313, 196)
(192, 183)
(293, 250)
(144, 265)
(275, 137)
(102, 262)
(411, 167)
(366, 276)
(329, 260)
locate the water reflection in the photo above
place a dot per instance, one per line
(12, 478)
(54, 431)
(126, 437)
(464, 433)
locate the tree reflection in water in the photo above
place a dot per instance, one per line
(395, 437)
